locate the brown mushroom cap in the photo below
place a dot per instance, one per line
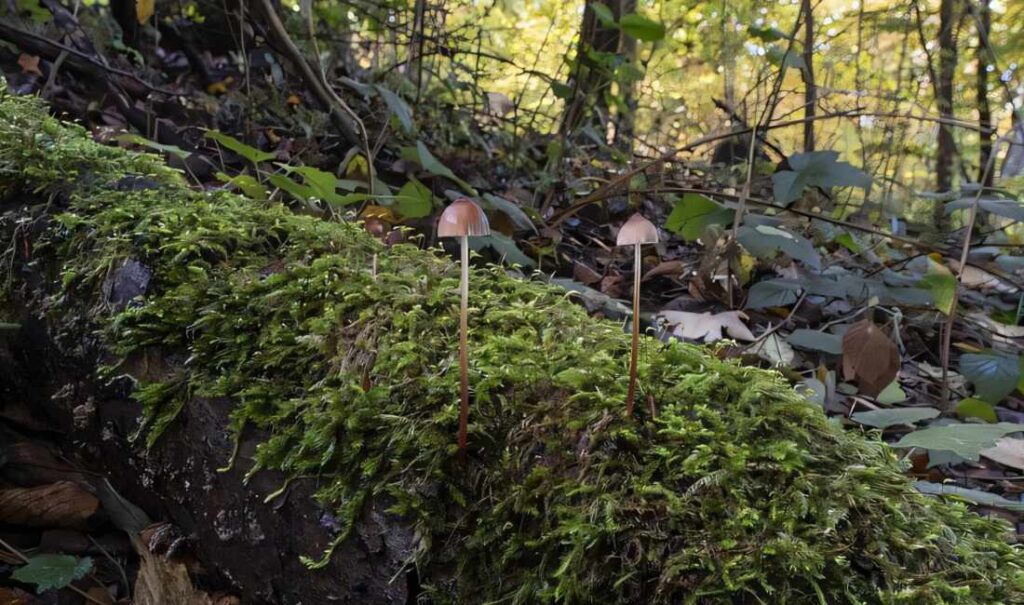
(463, 217)
(637, 230)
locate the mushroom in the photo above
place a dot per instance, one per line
(636, 232)
(463, 219)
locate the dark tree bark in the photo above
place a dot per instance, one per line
(810, 87)
(984, 22)
(946, 154)
(592, 80)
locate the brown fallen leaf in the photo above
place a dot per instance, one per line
(13, 596)
(1008, 451)
(144, 9)
(670, 268)
(29, 64)
(870, 357)
(61, 504)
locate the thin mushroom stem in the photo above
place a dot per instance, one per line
(464, 346)
(631, 394)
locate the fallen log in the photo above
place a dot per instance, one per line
(282, 389)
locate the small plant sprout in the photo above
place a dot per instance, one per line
(636, 232)
(463, 219)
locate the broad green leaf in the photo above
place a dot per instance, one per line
(772, 293)
(816, 169)
(48, 572)
(693, 213)
(816, 340)
(246, 184)
(976, 408)
(298, 190)
(777, 55)
(882, 419)
(399, 108)
(892, 394)
(766, 33)
(965, 440)
(976, 496)
(993, 374)
(940, 283)
(414, 200)
(765, 241)
(642, 28)
(246, 151)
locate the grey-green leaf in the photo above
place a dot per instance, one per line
(965, 440)
(993, 374)
(882, 419)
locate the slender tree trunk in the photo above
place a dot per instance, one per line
(626, 121)
(946, 155)
(810, 88)
(984, 22)
(592, 79)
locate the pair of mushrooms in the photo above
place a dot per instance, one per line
(463, 219)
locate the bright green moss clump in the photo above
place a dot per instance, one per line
(738, 492)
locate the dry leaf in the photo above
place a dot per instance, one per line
(61, 504)
(870, 357)
(29, 64)
(1007, 451)
(144, 9)
(708, 327)
(670, 268)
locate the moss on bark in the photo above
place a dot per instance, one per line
(737, 492)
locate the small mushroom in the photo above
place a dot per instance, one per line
(636, 232)
(463, 219)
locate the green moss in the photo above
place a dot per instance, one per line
(737, 492)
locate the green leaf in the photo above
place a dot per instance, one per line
(766, 241)
(976, 496)
(816, 169)
(882, 419)
(642, 28)
(693, 213)
(892, 394)
(399, 108)
(772, 293)
(816, 340)
(172, 150)
(976, 408)
(940, 283)
(964, 440)
(246, 184)
(603, 13)
(414, 200)
(52, 571)
(434, 166)
(993, 374)
(250, 153)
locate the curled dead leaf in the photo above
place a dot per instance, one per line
(870, 357)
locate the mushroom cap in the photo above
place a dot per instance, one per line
(463, 217)
(637, 230)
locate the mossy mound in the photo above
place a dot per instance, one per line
(737, 492)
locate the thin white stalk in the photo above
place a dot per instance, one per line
(464, 345)
(637, 268)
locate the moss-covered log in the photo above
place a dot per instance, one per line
(334, 356)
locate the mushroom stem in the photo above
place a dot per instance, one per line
(464, 346)
(631, 394)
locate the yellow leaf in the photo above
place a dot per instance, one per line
(144, 9)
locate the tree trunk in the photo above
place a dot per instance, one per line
(592, 79)
(810, 87)
(946, 154)
(984, 22)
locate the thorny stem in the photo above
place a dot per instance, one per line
(464, 346)
(631, 394)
